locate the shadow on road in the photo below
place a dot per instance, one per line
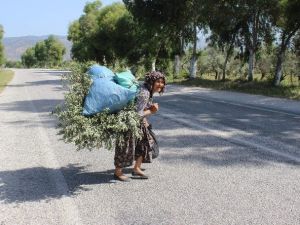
(52, 72)
(181, 149)
(58, 85)
(40, 105)
(182, 144)
(35, 184)
(261, 123)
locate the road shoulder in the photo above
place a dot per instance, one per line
(248, 100)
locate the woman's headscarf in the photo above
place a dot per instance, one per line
(150, 79)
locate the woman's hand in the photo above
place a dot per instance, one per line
(151, 110)
(154, 108)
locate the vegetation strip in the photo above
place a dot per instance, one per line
(5, 77)
(254, 87)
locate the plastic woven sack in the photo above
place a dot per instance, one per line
(105, 93)
(126, 79)
(97, 71)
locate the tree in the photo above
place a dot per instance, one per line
(265, 61)
(172, 23)
(198, 22)
(55, 51)
(127, 31)
(256, 26)
(45, 53)
(13, 64)
(290, 66)
(28, 58)
(215, 60)
(224, 29)
(105, 34)
(296, 49)
(296, 45)
(111, 35)
(152, 18)
(108, 39)
(2, 58)
(40, 53)
(242, 23)
(82, 31)
(287, 22)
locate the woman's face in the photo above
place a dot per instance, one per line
(158, 85)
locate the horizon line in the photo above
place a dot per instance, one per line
(34, 35)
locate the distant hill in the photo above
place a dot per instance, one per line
(14, 47)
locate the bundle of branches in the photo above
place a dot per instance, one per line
(98, 131)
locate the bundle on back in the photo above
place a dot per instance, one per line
(96, 110)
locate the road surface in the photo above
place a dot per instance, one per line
(226, 158)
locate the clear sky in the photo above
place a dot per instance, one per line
(40, 17)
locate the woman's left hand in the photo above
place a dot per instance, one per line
(154, 108)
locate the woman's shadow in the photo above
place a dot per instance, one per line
(37, 183)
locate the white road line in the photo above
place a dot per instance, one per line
(226, 136)
(245, 106)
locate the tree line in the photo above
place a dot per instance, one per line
(256, 34)
(244, 38)
(46, 53)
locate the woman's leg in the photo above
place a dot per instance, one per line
(137, 165)
(124, 154)
(142, 153)
(119, 173)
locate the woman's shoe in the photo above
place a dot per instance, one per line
(138, 176)
(120, 179)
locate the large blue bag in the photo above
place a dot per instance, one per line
(97, 71)
(104, 93)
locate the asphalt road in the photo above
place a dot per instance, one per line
(226, 158)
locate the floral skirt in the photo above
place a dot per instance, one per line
(130, 149)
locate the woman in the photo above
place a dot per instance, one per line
(130, 150)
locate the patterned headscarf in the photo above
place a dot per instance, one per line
(151, 77)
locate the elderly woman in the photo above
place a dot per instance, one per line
(130, 150)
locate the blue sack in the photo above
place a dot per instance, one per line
(97, 71)
(105, 93)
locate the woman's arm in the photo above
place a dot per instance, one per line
(147, 112)
(142, 102)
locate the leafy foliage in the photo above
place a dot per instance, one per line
(45, 53)
(28, 58)
(1, 46)
(149, 34)
(287, 22)
(100, 130)
(13, 64)
(101, 33)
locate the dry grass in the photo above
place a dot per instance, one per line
(5, 77)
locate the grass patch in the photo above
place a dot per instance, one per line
(5, 77)
(255, 87)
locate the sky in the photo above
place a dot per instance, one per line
(40, 17)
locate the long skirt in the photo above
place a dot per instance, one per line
(130, 149)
